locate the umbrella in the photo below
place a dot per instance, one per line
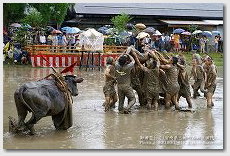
(73, 30)
(178, 31)
(111, 31)
(56, 32)
(129, 26)
(76, 29)
(65, 28)
(215, 32)
(197, 32)
(207, 33)
(157, 33)
(142, 35)
(186, 33)
(124, 34)
(50, 29)
(150, 30)
(140, 26)
(26, 26)
(103, 30)
(15, 25)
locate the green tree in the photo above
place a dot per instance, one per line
(192, 28)
(193, 39)
(20, 36)
(120, 21)
(52, 12)
(45, 10)
(59, 11)
(13, 12)
(34, 18)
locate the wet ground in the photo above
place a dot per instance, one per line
(94, 129)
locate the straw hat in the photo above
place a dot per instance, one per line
(140, 26)
(142, 35)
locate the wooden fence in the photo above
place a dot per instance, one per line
(50, 49)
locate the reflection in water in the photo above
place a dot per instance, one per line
(95, 129)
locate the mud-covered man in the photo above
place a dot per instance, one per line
(199, 77)
(169, 80)
(183, 80)
(210, 83)
(151, 82)
(123, 66)
(109, 87)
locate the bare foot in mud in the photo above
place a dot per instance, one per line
(148, 106)
(124, 111)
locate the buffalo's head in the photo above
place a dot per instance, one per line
(72, 81)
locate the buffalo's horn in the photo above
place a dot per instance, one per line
(79, 80)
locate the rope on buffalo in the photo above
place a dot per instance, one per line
(62, 85)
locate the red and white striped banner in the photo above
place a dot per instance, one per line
(67, 60)
(54, 60)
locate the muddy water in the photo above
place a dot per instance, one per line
(95, 129)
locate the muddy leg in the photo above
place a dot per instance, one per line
(121, 97)
(22, 113)
(167, 101)
(113, 101)
(30, 124)
(212, 102)
(178, 98)
(188, 99)
(141, 96)
(175, 102)
(202, 85)
(149, 103)
(107, 103)
(131, 98)
(196, 87)
(155, 104)
(209, 100)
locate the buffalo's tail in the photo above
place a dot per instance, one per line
(21, 90)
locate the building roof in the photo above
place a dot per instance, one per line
(203, 22)
(214, 10)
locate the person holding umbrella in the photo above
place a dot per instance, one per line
(54, 39)
(62, 42)
(216, 40)
(176, 38)
(202, 44)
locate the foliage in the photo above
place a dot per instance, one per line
(120, 21)
(192, 28)
(20, 36)
(34, 19)
(52, 12)
(45, 10)
(13, 12)
(59, 11)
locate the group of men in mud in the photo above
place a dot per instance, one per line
(153, 76)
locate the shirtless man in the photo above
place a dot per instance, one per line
(109, 87)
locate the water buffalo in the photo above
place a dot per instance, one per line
(44, 98)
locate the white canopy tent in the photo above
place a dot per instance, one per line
(91, 40)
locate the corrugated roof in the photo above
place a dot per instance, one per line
(204, 22)
(160, 9)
